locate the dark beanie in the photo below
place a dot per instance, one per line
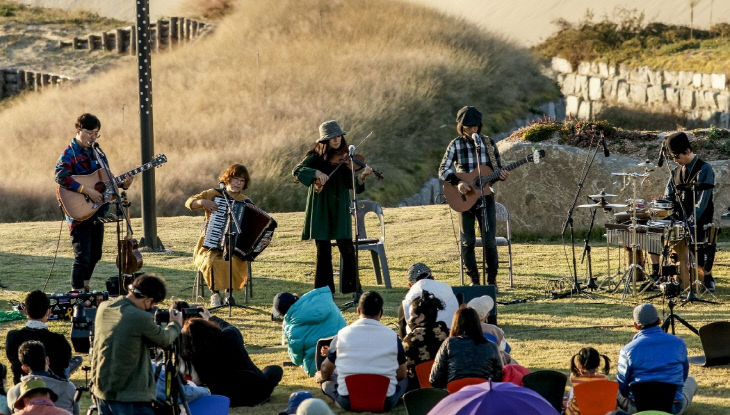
(677, 143)
(469, 117)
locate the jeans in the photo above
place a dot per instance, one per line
(468, 240)
(323, 276)
(124, 408)
(87, 239)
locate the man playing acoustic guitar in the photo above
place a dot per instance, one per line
(87, 236)
(461, 157)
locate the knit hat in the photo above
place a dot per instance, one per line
(34, 384)
(314, 406)
(677, 143)
(329, 130)
(482, 305)
(469, 117)
(282, 302)
(295, 399)
(645, 314)
(418, 271)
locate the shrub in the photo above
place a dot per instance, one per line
(541, 131)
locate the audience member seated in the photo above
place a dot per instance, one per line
(584, 367)
(34, 363)
(654, 356)
(306, 320)
(38, 309)
(37, 399)
(419, 279)
(3, 394)
(215, 356)
(483, 306)
(466, 353)
(365, 346)
(314, 406)
(426, 336)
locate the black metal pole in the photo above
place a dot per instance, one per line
(147, 137)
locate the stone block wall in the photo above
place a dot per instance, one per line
(591, 86)
(164, 34)
(13, 81)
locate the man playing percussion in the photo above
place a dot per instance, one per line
(211, 263)
(691, 169)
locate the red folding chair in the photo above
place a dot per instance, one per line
(457, 384)
(367, 392)
(423, 372)
(596, 397)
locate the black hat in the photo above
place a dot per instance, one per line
(469, 117)
(329, 130)
(677, 143)
(282, 302)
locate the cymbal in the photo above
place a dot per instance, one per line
(631, 174)
(601, 195)
(603, 206)
(645, 163)
(696, 186)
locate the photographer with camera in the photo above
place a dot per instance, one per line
(121, 371)
(37, 308)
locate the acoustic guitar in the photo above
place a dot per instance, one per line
(462, 203)
(79, 206)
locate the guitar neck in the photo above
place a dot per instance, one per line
(124, 176)
(493, 176)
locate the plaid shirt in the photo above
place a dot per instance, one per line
(74, 160)
(459, 158)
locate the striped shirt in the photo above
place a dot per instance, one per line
(460, 158)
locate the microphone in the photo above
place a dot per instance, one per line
(660, 161)
(605, 149)
(352, 150)
(95, 145)
(476, 139)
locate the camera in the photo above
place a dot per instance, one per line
(82, 327)
(163, 316)
(670, 289)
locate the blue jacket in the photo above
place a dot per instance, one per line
(312, 317)
(653, 356)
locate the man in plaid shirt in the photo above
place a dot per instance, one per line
(87, 236)
(460, 157)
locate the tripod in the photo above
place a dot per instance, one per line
(231, 237)
(81, 389)
(672, 317)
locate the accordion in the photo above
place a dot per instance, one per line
(257, 229)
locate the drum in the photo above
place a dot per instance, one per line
(660, 208)
(621, 217)
(712, 231)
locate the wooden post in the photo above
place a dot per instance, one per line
(153, 39)
(55, 80)
(195, 30)
(132, 40)
(3, 94)
(174, 31)
(121, 41)
(188, 28)
(29, 80)
(38, 81)
(46, 80)
(181, 30)
(163, 34)
(19, 81)
(94, 42)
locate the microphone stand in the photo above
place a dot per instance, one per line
(576, 289)
(231, 239)
(483, 198)
(117, 197)
(587, 252)
(353, 211)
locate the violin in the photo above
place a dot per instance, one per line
(343, 159)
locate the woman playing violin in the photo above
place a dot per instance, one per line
(327, 212)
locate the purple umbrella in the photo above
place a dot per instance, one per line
(493, 398)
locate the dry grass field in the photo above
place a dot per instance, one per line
(543, 333)
(256, 90)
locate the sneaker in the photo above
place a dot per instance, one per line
(216, 300)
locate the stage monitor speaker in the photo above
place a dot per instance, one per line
(466, 293)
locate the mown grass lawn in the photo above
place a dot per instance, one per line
(543, 333)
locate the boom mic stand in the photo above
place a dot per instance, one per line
(587, 252)
(576, 289)
(353, 211)
(228, 254)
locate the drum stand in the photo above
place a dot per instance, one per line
(691, 296)
(629, 278)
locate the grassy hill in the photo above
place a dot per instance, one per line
(256, 90)
(543, 334)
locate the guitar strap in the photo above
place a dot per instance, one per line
(490, 152)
